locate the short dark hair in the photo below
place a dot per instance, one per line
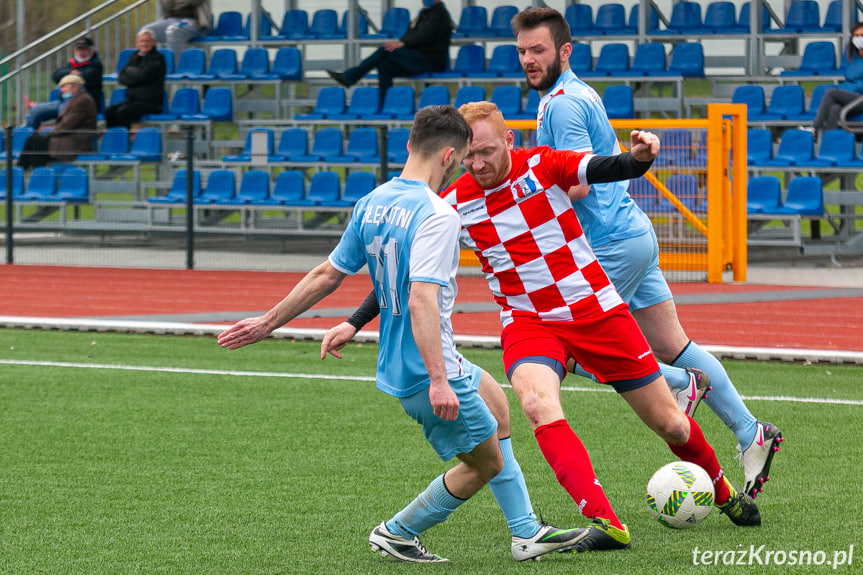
(436, 128)
(549, 17)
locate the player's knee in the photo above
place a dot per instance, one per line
(531, 405)
(674, 428)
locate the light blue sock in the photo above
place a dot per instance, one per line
(430, 507)
(510, 492)
(676, 377)
(723, 398)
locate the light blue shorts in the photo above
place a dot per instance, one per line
(474, 423)
(632, 266)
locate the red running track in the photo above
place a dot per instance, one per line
(832, 323)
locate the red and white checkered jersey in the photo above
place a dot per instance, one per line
(528, 239)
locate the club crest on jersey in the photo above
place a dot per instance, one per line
(525, 187)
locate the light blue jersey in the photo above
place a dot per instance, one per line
(572, 117)
(405, 233)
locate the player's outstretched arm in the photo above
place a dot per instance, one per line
(425, 325)
(316, 285)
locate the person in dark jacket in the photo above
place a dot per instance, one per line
(85, 63)
(74, 132)
(422, 49)
(144, 78)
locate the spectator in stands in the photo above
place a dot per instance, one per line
(85, 63)
(183, 20)
(144, 78)
(834, 100)
(74, 132)
(421, 50)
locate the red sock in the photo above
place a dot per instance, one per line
(698, 451)
(571, 464)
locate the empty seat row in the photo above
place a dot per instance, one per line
(186, 106)
(47, 184)
(687, 60)
(296, 25)
(796, 148)
(223, 66)
(787, 102)
(115, 146)
(290, 189)
(805, 196)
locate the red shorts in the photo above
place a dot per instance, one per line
(607, 344)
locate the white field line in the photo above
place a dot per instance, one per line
(234, 373)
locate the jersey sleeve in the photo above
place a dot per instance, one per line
(567, 119)
(567, 168)
(433, 248)
(349, 255)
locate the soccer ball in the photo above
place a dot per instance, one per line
(680, 495)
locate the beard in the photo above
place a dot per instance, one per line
(548, 79)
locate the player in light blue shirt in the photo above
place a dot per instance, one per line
(408, 237)
(571, 116)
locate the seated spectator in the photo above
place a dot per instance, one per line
(72, 135)
(144, 78)
(422, 49)
(84, 62)
(183, 20)
(827, 117)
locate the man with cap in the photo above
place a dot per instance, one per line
(85, 63)
(73, 133)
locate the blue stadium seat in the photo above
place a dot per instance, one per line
(531, 106)
(467, 94)
(217, 107)
(815, 101)
(256, 65)
(581, 59)
(470, 60)
(122, 60)
(502, 64)
(41, 187)
(357, 185)
(17, 183)
(805, 197)
(796, 148)
(362, 146)
(192, 62)
(649, 59)
(613, 61)
(19, 136)
(394, 24)
(177, 193)
(472, 23)
(753, 97)
(508, 101)
(330, 100)
(246, 154)
(432, 96)
(325, 24)
(397, 145)
(229, 27)
(295, 26)
(744, 22)
(610, 19)
(787, 102)
(185, 101)
(499, 24)
(114, 141)
(265, 26)
(719, 18)
(759, 146)
(619, 102)
(763, 194)
(288, 63)
(364, 103)
(293, 143)
(223, 66)
(685, 19)
(819, 59)
(687, 60)
(803, 17)
(838, 147)
(73, 185)
(833, 17)
(169, 60)
(580, 20)
(399, 101)
(327, 143)
(361, 28)
(117, 95)
(254, 188)
(146, 147)
(324, 189)
(221, 185)
(290, 188)
(632, 25)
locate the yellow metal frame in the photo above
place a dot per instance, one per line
(725, 228)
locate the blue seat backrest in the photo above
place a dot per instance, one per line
(290, 186)
(499, 24)
(221, 185)
(357, 185)
(434, 96)
(328, 142)
(473, 21)
(325, 23)
(610, 18)
(720, 16)
(288, 63)
(256, 62)
(685, 17)
(467, 94)
(687, 59)
(581, 59)
(752, 96)
(507, 99)
(580, 18)
(294, 142)
(255, 185)
(649, 57)
(619, 101)
(324, 187)
(295, 23)
(613, 59)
